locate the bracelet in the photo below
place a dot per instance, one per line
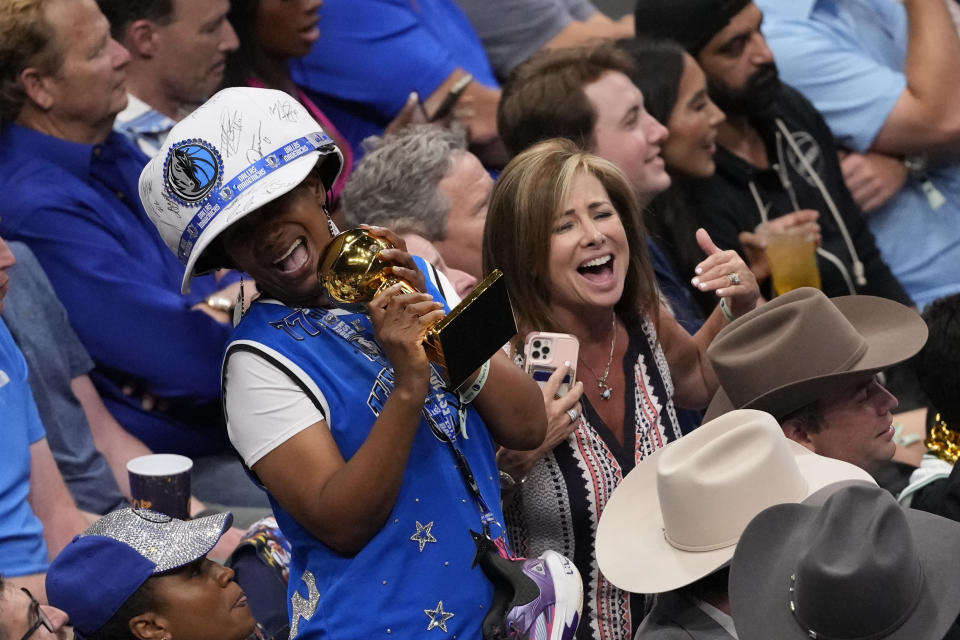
(467, 396)
(220, 303)
(508, 481)
(725, 309)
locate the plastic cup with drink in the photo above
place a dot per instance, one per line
(792, 255)
(161, 482)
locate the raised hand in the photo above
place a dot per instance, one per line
(560, 424)
(727, 274)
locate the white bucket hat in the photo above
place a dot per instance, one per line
(678, 515)
(239, 150)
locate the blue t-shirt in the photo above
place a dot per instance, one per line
(78, 209)
(417, 570)
(22, 548)
(39, 325)
(373, 53)
(848, 59)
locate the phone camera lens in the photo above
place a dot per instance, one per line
(546, 350)
(536, 355)
(536, 344)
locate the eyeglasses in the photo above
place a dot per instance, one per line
(38, 616)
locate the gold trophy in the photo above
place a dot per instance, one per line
(353, 273)
(943, 441)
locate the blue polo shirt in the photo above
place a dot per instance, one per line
(22, 548)
(847, 57)
(78, 209)
(373, 53)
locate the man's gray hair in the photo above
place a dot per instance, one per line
(395, 185)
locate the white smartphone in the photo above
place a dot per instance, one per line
(544, 352)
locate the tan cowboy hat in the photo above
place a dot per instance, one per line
(678, 515)
(800, 346)
(854, 564)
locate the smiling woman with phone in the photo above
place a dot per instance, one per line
(565, 228)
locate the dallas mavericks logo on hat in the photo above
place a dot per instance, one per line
(192, 170)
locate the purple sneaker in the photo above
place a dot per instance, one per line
(534, 598)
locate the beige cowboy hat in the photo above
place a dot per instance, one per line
(854, 564)
(799, 346)
(678, 515)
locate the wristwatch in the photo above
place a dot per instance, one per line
(917, 165)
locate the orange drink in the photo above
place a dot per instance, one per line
(792, 256)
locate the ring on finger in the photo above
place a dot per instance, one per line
(733, 277)
(574, 414)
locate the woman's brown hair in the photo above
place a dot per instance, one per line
(523, 208)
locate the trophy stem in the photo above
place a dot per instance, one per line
(389, 281)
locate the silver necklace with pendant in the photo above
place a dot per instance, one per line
(605, 389)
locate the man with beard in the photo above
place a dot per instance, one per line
(775, 154)
(884, 75)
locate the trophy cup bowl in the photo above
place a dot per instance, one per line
(352, 273)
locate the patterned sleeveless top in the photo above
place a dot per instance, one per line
(559, 503)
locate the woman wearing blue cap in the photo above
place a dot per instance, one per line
(137, 574)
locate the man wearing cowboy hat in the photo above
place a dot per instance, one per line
(672, 525)
(812, 362)
(848, 564)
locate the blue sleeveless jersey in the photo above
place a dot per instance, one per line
(414, 578)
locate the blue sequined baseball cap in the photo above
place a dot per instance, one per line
(102, 567)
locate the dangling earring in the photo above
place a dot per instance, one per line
(330, 223)
(238, 310)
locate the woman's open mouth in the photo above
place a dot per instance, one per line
(294, 258)
(597, 270)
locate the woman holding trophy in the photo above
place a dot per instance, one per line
(565, 228)
(339, 414)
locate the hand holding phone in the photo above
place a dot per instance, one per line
(544, 352)
(450, 100)
(546, 355)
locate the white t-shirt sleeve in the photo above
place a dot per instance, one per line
(264, 405)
